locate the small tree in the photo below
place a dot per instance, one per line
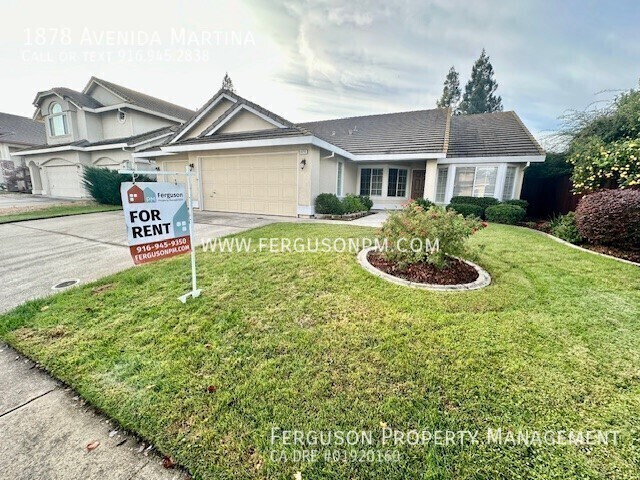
(227, 83)
(479, 93)
(104, 184)
(451, 91)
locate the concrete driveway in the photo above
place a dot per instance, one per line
(20, 202)
(38, 254)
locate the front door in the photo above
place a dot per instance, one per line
(417, 184)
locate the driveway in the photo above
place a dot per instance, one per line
(38, 254)
(20, 202)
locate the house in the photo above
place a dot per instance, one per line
(102, 126)
(251, 160)
(16, 133)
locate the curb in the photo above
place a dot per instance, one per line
(483, 280)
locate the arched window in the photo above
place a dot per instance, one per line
(58, 124)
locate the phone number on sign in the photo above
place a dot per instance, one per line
(336, 455)
(150, 247)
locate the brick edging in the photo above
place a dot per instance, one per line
(483, 280)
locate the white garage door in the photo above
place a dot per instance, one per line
(264, 184)
(64, 181)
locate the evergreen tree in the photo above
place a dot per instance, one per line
(451, 91)
(479, 93)
(227, 84)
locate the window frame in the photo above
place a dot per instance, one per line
(511, 193)
(445, 183)
(370, 178)
(475, 168)
(53, 116)
(396, 182)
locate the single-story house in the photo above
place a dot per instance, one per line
(251, 160)
(103, 125)
(17, 133)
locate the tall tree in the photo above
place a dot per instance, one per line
(479, 93)
(451, 91)
(227, 84)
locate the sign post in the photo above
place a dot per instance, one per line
(159, 219)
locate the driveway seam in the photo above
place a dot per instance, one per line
(74, 236)
(26, 403)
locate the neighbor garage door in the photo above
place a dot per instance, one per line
(64, 181)
(264, 183)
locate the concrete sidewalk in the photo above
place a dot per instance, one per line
(46, 429)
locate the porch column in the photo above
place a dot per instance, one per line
(431, 176)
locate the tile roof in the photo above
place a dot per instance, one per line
(494, 134)
(421, 131)
(241, 136)
(79, 98)
(146, 101)
(21, 130)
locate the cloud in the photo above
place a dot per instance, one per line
(377, 56)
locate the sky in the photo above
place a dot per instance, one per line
(310, 60)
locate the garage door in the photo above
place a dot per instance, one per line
(264, 184)
(64, 181)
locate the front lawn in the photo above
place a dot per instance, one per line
(310, 341)
(56, 211)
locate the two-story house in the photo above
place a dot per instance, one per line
(16, 133)
(102, 126)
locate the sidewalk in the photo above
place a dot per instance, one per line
(46, 430)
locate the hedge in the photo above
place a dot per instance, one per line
(503, 213)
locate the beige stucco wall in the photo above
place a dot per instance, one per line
(104, 96)
(328, 174)
(350, 184)
(208, 119)
(245, 121)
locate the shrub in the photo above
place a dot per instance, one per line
(610, 217)
(467, 209)
(104, 184)
(328, 203)
(503, 213)
(484, 202)
(564, 227)
(436, 224)
(366, 201)
(521, 203)
(424, 203)
(352, 204)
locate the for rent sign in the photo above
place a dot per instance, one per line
(157, 219)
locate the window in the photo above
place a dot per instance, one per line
(509, 183)
(397, 183)
(339, 176)
(57, 121)
(441, 185)
(371, 181)
(463, 182)
(485, 181)
(475, 181)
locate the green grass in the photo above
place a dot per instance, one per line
(58, 211)
(313, 342)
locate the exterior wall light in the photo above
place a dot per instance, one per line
(303, 163)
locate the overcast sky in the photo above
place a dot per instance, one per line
(311, 60)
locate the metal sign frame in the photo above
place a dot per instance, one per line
(195, 291)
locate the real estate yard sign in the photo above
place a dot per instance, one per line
(157, 219)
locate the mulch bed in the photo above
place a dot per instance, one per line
(631, 255)
(455, 273)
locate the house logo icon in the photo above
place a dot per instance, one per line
(149, 195)
(135, 195)
(181, 220)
